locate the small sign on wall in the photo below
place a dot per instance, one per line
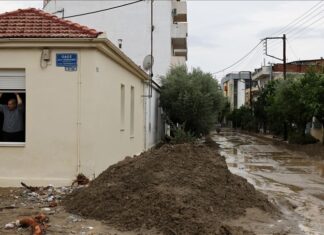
(67, 60)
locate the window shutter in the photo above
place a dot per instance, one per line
(12, 80)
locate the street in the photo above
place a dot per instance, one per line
(292, 180)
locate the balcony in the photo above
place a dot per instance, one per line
(179, 30)
(179, 34)
(178, 60)
(180, 52)
(179, 11)
(262, 73)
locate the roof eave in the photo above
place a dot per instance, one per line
(102, 44)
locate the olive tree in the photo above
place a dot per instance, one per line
(191, 99)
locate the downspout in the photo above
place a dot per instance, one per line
(145, 112)
(79, 83)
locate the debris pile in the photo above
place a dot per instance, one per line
(45, 199)
(176, 189)
(48, 196)
(38, 224)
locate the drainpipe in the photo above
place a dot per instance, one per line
(79, 114)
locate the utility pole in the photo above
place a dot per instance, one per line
(284, 60)
(284, 57)
(285, 77)
(250, 73)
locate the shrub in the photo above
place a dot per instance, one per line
(180, 136)
(298, 138)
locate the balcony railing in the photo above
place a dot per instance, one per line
(178, 60)
(179, 11)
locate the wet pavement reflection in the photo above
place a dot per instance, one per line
(293, 181)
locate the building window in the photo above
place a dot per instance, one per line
(235, 94)
(122, 107)
(12, 106)
(132, 110)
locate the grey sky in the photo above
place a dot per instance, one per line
(221, 32)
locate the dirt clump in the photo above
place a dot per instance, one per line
(176, 189)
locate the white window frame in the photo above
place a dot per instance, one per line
(3, 91)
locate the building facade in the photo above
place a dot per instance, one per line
(130, 27)
(234, 86)
(83, 100)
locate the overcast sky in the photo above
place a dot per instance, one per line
(221, 32)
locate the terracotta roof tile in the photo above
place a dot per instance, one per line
(34, 23)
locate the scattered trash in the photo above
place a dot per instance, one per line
(10, 226)
(81, 180)
(46, 209)
(38, 224)
(53, 204)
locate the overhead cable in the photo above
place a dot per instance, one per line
(238, 61)
(305, 15)
(102, 10)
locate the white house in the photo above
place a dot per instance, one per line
(129, 26)
(83, 98)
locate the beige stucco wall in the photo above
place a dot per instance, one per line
(103, 142)
(57, 103)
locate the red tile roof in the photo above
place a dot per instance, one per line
(33, 23)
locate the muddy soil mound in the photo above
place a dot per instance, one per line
(177, 189)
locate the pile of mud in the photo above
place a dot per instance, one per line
(177, 189)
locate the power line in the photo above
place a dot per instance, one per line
(241, 59)
(299, 32)
(107, 9)
(300, 18)
(251, 61)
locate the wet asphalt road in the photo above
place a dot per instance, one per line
(293, 181)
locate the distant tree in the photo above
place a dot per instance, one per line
(242, 118)
(312, 95)
(191, 99)
(262, 103)
(294, 102)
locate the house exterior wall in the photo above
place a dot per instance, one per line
(72, 118)
(104, 140)
(51, 114)
(154, 122)
(132, 24)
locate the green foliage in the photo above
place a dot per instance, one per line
(298, 138)
(181, 136)
(192, 99)
(262, 104)
(242, 118)
(293, 101)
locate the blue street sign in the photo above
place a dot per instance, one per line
(67, 60)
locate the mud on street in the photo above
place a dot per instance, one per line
(178, 192)
(292, 180)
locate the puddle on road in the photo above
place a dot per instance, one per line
(281, 175)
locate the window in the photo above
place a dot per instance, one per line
(122, 107)
(235, 94)
(132, 110)
(12, 106)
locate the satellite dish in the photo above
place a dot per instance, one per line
(148, 62)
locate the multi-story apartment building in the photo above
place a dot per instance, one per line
(234, 86)
(138, 28)
(294, 69)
